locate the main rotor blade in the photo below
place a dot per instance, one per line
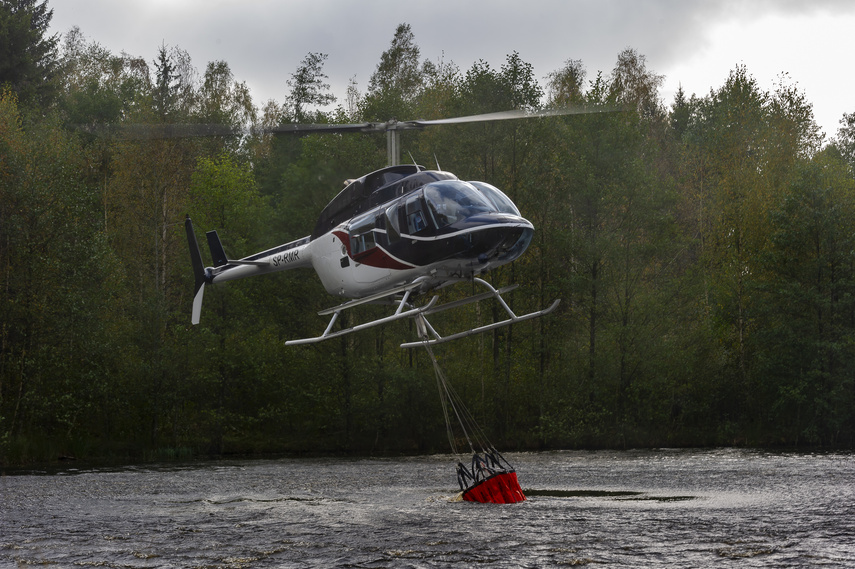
(355, 127)
(157, 131)
(162, 131)
(415, 124)
(516, 114)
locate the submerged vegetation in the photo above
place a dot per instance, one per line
(702, 249)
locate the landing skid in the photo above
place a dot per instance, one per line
(424, 328)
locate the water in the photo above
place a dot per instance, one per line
(681, 508)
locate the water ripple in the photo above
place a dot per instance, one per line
(668, 508)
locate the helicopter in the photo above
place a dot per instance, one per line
(392, 237)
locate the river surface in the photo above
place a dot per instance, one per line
(663, 508)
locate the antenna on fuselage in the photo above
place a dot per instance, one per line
(435, 159)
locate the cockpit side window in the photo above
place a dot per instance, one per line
(362, 235)
(416, 219)
(393, 226)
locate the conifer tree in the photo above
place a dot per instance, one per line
(28, 57)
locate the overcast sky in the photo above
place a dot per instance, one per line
(692, 43)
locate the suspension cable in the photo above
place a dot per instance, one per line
(448, 396)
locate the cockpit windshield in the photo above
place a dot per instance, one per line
(452, 200)
(502, 202)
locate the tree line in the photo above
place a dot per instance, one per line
(702, 250)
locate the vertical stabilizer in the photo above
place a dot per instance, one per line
(218, 254)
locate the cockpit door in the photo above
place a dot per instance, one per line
(416, 216)
(364, 250)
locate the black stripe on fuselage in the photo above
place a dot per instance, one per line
(467, 242)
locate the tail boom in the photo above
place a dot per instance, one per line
(292, 255)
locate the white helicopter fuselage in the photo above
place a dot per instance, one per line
(400, 229)
(341, 275)
(437, 228)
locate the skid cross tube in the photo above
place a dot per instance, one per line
(399, 312)
(374, 297)
(427, 333)
(494, 293)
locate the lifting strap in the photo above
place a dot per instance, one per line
(491, 478)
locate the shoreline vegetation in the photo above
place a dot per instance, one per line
(188, 456)
(702, 249)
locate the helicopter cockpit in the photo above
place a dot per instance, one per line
(449, 201)
(444, 203)
(438, 208)
(428, 211)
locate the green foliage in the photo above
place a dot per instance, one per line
(57, 284)
(805, 306)
(397, 82)
(308, 88)
(27, 55)
(845, 141)
(702, 255)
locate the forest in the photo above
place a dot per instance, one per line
(702, 248)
